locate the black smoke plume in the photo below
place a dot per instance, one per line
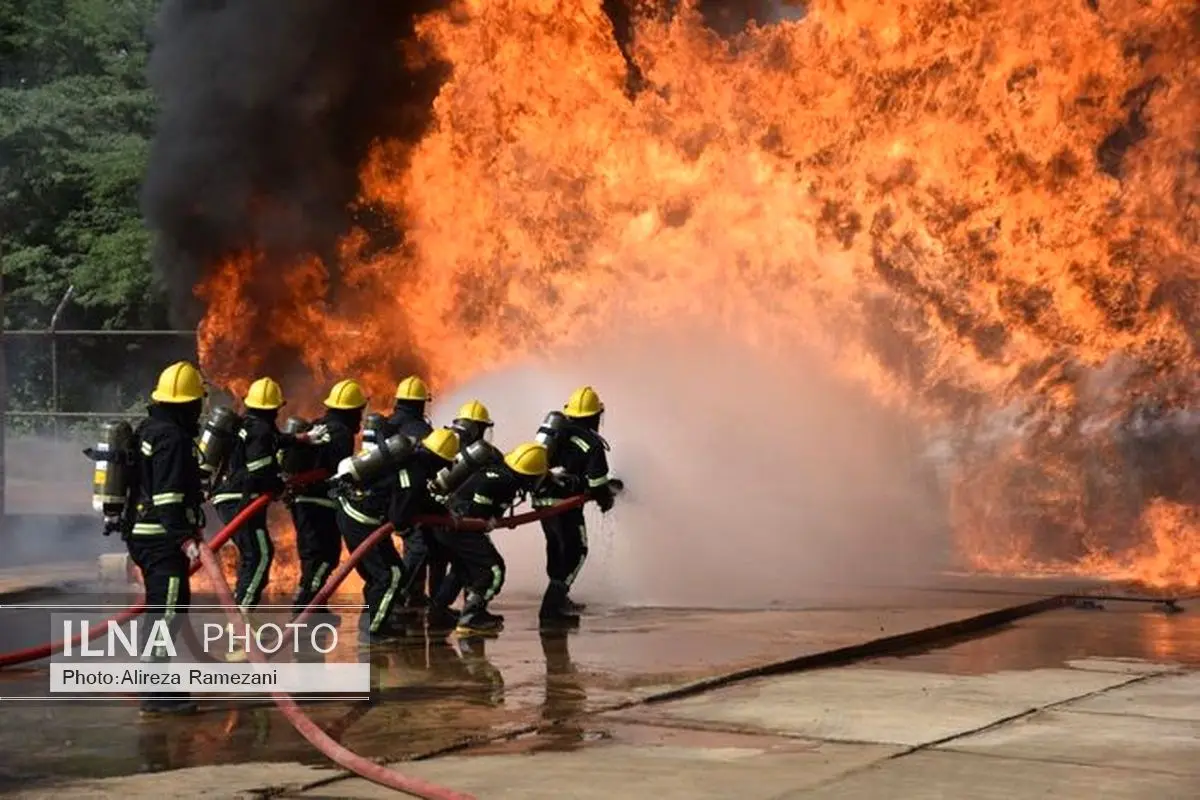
(267, 110)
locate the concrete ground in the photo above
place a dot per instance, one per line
(1067, 704)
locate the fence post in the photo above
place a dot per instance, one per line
(54, 356)
(3, 402)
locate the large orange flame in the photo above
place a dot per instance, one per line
(924, 191)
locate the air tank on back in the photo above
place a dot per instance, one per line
(371, 465)
(372, 430)
(297, 458)
(216, 439)
(474, 457)
(111, 477)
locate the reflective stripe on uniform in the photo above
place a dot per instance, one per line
(497, 582)
(160, 651)
(543, 502)
(148, 529)
(260, 568)
(356, 515)
(385, 605)
(319, 576)
(167, 498)
(259, 463)
(324, 502)
(580, 443)
(147, 449)
(582, 556)
(482, 499)
(226, 497)
(594, 482)
(405, 480)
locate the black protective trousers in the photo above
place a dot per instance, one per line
(256, 553)
(566, 545)
(164, 570)
(475, 560)
(382, 572)
(425, 564)
(318, 546)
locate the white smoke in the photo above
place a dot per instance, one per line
(748, 482)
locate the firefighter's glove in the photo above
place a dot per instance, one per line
(605, 501)
(112, 525)
(559, 478)
(317, 434)
(489, 525)
(191, 548)
(617, 485)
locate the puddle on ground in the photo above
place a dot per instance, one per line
(1117, 630)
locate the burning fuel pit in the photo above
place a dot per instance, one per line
(969, 213)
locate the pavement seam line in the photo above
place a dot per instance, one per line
(933, 637)
(931, 745)
(1037, 760)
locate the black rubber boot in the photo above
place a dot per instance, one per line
(572, 607)
(172, 707)
(442, 619)
(476, 620)
(553, 613)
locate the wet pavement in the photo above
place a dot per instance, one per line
(1069, 703)
(435, 692)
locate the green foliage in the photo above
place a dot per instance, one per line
(76, 116)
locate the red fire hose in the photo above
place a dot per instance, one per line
(213, 545)
(376, 773)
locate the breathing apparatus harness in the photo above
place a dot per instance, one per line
(116, 477)
(118, 456)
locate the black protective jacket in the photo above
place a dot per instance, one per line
(408, 422)
(581, 454)
(253, 465)
(371, 504)
(487, 494)
(170, 489)
(410, 495)
(327, 457)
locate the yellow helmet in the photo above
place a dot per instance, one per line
(346, 394)
(265, 395)
(475, 411)
(178, 383)
(443, 443)
(528, 459)
(584, 402)
(412, 388)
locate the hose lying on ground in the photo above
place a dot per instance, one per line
(213, 545)
(376, 773)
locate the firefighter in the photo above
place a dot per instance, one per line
(254, 470)
(409, 418)
(314, 512)
(473, 423)
(168, 497)
(413, 496)
(579, 465)
(488, 494)
(405, 470)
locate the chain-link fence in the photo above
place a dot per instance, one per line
(61, 384)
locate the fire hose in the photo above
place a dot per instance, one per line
(343, 757)
(135, 610)
(214, 544)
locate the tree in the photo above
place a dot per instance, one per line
(76, 117)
